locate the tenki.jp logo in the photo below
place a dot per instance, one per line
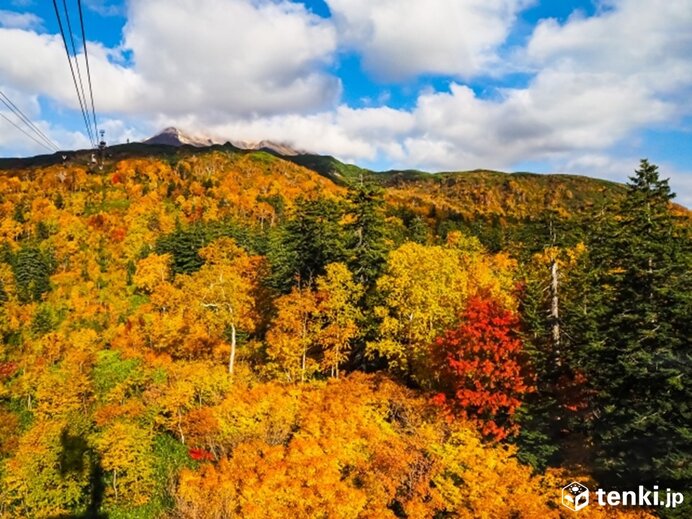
(575, 496)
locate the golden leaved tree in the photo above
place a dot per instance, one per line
(323, 321)
(293, 334)
(225, 289)
(337, 295)
(425, 290)
(125, 449)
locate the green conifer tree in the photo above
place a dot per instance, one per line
(184, 245)
(313, 238)
(367, 232)
(639, 362)
(32, 269)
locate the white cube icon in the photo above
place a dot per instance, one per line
(575, 496)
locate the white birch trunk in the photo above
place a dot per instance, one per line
(231, 360)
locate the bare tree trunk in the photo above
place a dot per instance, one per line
(180, 428)
(555, 309)
(336, 363)
(305, 351)
(302, 365)
(231, 360)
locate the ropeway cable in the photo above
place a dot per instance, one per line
(25, 132)
(22, 117)
(86, 59)
(74, 77)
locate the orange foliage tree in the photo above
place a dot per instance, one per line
(292, 335)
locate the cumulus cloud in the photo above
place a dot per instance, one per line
(238, 58)
(35, 64)
(324, 132)
(619, 169)
(15, 20)
(259, 69)
(16, 144)
(595, 84)
(649, 42)
(406, 38)
(12, 141)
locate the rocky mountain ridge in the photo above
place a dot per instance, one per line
(173, 136)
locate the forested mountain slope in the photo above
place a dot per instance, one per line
(219, 333)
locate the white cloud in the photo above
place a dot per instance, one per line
(35, 64)
(404, 38)
(559, 113)
(322, 133)
(649, 42)
(680, 183)
(119, 131)
(237, 58)
(620, 169)
(257, 69)
(15, 20)
(17, 144)
(105, 7)
(12, 141)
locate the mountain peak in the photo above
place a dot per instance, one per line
(172, 136)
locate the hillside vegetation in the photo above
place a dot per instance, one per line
(218, 333)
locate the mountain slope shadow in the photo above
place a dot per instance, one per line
(74, 449)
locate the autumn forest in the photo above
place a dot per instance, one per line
(216, 333)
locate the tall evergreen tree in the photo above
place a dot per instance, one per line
(418, 230)
(32, 270)
(640, 361)
(301, 249)
(184, 244)
(557, 322)
(367, 243)
(367, 232)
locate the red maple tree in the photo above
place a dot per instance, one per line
(200, 455)
(480, 370)
(7, 369)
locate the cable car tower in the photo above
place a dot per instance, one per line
(102, 149)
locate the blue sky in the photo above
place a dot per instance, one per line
(586, 87)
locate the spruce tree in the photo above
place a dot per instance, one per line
(367, 235)
(301, 249)
(639, 362)
(556, 301)
(418, 230)
(32, 270)
(183, 244)
(367, 232)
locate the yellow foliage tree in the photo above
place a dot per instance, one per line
(224, 288)
(124, 450)
(152, 271)
(338, 295)
(44, 478)
(425, 289)
(293, 333)
(394, 456)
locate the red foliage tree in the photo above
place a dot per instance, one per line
(200, 455)
(7, 369)
(480, 371)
